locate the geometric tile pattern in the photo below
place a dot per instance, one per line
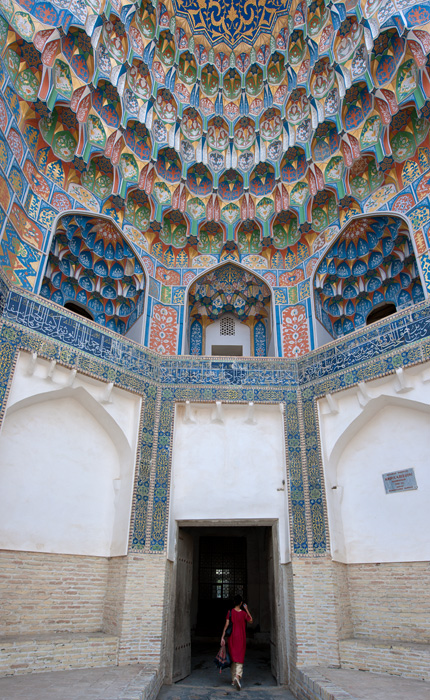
(254, 132)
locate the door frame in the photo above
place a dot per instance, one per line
(279, 603)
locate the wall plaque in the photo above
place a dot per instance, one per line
(403, 480)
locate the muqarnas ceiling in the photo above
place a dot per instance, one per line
(91, 265)
(194, 146)
(370, 265)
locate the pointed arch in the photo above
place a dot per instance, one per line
(365, 523)
(244, 268)
(82, 396)
(369, 411)
(71, 461)
(132, 301)
(90, 214)
(373, 215)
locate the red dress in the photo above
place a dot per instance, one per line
(237, 639)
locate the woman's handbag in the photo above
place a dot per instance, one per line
(229, 629)
(222, 659)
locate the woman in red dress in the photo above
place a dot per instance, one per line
(240, 615)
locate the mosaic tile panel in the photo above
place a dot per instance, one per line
(162, 476)
(143, 482)
(194, 94)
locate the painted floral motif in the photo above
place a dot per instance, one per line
(295, 332)
(163, 334)
(15, 142)
(61, 202)
(30, 233)
(170, 277)
(83, 197)
(3, 115)
(38, 183)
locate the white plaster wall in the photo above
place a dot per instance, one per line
(379, 427)
(67, 461)
(242, 336)
(322, 335)
(137, 331)
(229, 465)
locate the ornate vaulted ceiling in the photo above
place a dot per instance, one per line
(221, 111)
(241, 131)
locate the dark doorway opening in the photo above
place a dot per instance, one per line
(222, 573)
(78, 309)
(379, 312)
(213, 564)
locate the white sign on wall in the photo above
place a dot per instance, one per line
(403, 480)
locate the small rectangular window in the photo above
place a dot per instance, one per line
(235, 350)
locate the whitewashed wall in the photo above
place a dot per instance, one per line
(229, 465)
(67, 461)
(381, 426)
(242, 336)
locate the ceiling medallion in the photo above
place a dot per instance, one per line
(231, 22)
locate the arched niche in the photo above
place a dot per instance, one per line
(230, 313)
(366, 524)
(91, 267)
(372, 263)
(66, 476)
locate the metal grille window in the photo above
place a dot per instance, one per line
(227, 326)
(222, 567)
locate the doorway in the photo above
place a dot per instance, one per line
(212, 565)
(221, 573)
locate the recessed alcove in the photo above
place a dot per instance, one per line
(379, 312)
(230, 313)
(79, 310)
(368, 273)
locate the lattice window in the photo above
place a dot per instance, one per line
(227, 326)
(222, 567)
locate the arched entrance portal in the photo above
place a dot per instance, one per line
(230, 314)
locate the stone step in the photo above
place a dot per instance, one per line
(57, 652)
(311, 684)
(405, 659)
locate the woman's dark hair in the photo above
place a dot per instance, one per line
(238, 599)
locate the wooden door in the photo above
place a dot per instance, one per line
(273, 602)
(182, 626)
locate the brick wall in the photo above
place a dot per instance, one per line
(78, 612)
(129, 597)
(315, 612)
(374, 617)
(344, 613)
(114, 598)
(391, 601)
(142, 615)
(398, 658)
(56, 652)
(51, 593)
